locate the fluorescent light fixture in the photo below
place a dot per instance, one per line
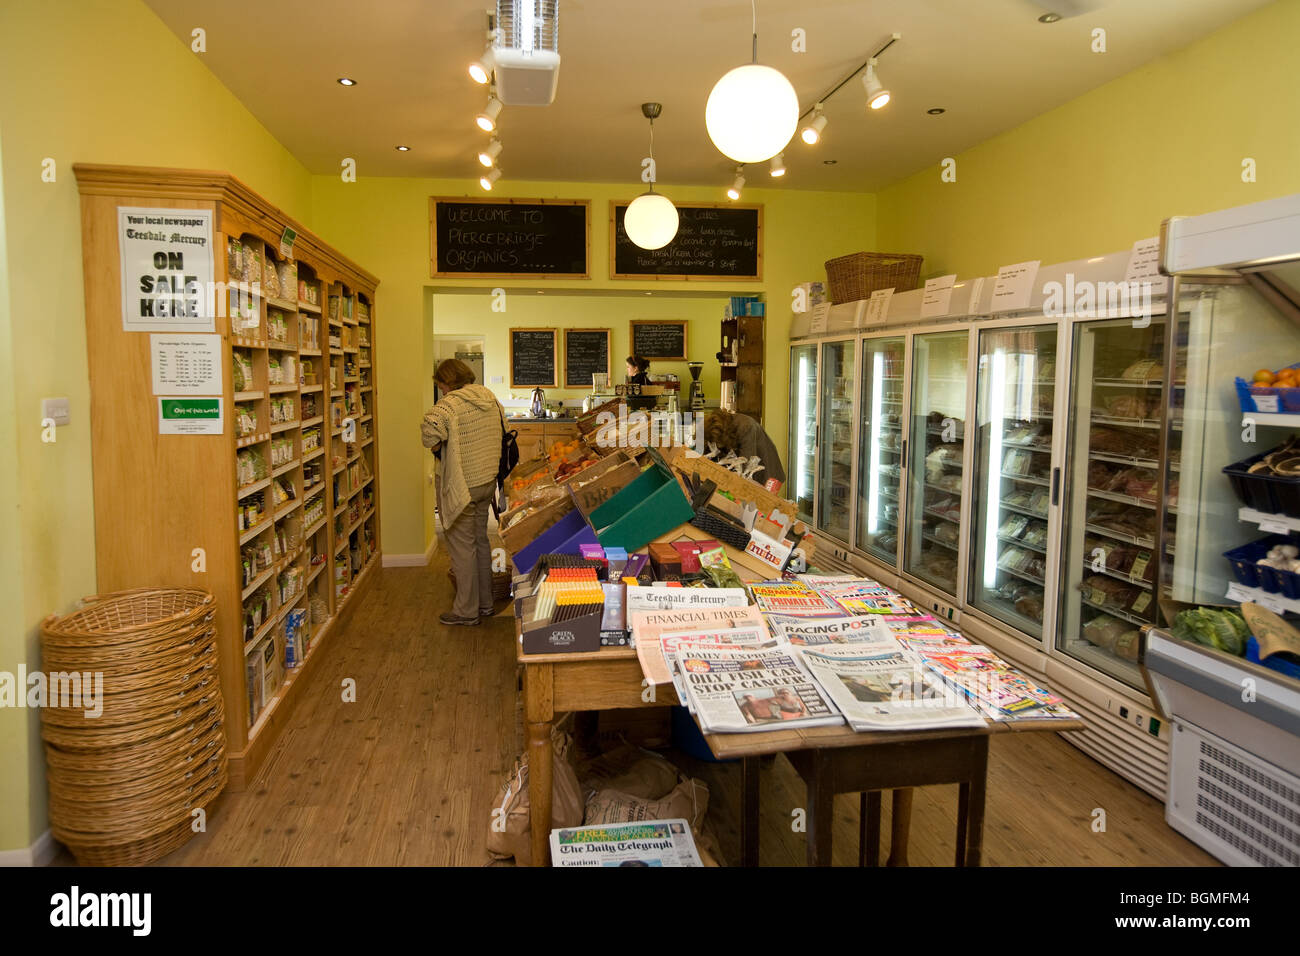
(737, 185)
(488, 178)
(877, 95)
(778, 164)
(487, 120)
(813, 131)
(488, 156)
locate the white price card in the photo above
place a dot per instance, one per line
(185, 363)
(1274, 604)
(1238, 593)
(877, 308)
(1014, 285)
(937, 296)
(1274, 526)
(182, 415)
(1144, 265)
(167, 272)
(817, 320)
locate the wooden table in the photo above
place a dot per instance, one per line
(831, 760)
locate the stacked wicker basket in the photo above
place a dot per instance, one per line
(124, 784)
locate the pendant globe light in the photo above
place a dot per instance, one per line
(651, 218)
(752, 111)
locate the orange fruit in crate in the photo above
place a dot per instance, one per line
(1264, 377)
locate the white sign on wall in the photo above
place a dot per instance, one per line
(938, 296)
(185, 364)
(167, 269)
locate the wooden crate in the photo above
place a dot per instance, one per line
(529, 527)
(684, 462)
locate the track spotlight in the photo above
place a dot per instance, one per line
(737, 185)
(813, 131)
(480, 71)
(778, 165)
(877, 95)
(488, 178)
(488, 156)
(487, 120)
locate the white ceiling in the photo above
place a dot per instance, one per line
(990, 63)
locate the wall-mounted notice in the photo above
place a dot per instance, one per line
(586, 353)
(877, 308)
(181, 415)
(510, 237)
(167, 278)
(819, 317)
(532, 358)
(1013, 286)
(937, 296)
(1144, 265)
(659, 340)
(185, 364)
(713, 241)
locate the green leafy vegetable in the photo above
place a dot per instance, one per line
(1222, 629)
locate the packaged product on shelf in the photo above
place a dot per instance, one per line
(241, 371)
(288, 274)
(289, 369)
(314, 510)
(277, 327)
(252, 261)
(273, 371)
(245, 419)
(270, 279)
(234, 259)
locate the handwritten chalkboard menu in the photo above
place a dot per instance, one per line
(659, 340)
(510, 237)
(712, 242)
(586, 352)
(532, 358)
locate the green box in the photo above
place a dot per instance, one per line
(652, 504)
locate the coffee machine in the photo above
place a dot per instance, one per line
(696, 398)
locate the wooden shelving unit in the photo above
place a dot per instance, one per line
(742, 360)
(174, 510)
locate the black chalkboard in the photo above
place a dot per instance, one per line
(659, 340)
(586, 352)
(712, 242)
(532, 358)
(510, 237)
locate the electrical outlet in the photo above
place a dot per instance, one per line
(498, 379)
(1135, 717)
(59, 409)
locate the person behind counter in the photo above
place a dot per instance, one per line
(638, 373)
(464, 430)
(742, 436)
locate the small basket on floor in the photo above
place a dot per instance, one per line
(501, 582)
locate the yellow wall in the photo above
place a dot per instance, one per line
(100, 81)
(1103, 170)
(384, 224)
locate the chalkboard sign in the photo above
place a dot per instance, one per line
(586, 352)
(510, 237)
(712, 242)
(532, 358)
(659, 340)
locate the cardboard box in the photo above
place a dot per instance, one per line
(651, 505)
(575, 635)
(563, 537)
(518, 535)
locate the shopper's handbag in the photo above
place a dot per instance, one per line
(506, 464)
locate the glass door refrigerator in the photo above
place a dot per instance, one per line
(1015, 482)
(934, 447)
(802, 457)
(837, 438)
(880, 447)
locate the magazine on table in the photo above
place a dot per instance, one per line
(883, 686)
(808, 631)
(738, 690)
(792, 598)
(923, 630)
(647, 626)
(993, 686)
(647, 843)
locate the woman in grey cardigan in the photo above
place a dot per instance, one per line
(464, 430)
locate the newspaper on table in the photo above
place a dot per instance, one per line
(810, 631)
(666, 599)
(739, 637)
(736, 690)
(883, 686)
(792, 598)
(647, 843)
(710, 623)
(994, 687)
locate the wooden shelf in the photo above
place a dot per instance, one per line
(284, 426)
(251, 533)
(252, 439)
(287, 466)
(281, 389)
(255, 486)
(249, 396)
(314, 453)
(308, 307)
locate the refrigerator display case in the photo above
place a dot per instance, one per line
(935, 449)
(1015, 481)
(837, 435)
(802, 457)
(1108, 571)
(880, 447)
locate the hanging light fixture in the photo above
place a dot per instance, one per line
(812, 133)
(737, 184)
(778, 165)
(651, 219)
(753, 110)
(488, 156)
(877, 95)
(489, 178)
(487, 120)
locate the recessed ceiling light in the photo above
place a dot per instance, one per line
(347, 81)
(1049, 18)
(649, 293)
(829, 162)
(936, 110)
(540, 292)
(403, 149)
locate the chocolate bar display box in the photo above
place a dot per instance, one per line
(548, 636)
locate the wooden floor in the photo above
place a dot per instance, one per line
(408, 774)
